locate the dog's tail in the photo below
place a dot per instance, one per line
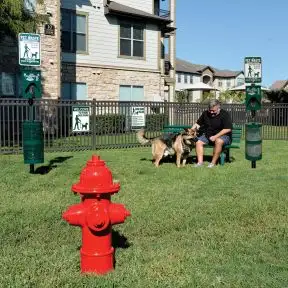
(141, 137)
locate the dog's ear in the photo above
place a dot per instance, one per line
(187, 137)
(187, 131)
(191, 132)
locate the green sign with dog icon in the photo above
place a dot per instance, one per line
(31, 84)
(29, 49)
(81, 119)
(253, 69)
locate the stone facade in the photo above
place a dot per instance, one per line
(103, 83)
(50, 52)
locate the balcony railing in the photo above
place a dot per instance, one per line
(162, 13)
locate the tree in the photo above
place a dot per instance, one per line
(277, 96)
(207, 96)
(232, 96)
(16, 18)
(182, 96)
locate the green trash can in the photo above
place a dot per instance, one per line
(33, 142)
(253, 149)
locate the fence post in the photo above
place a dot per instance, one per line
(94, 124)
(166, 113)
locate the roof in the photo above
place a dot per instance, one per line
(227, 73)
(279, 84)
(185, 66)
(115, 8)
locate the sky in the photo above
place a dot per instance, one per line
(222, 33)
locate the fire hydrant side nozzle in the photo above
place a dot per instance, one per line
(96, 215)
(75, 215)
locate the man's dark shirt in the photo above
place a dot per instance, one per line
(213, 125)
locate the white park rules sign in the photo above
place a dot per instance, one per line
(253, 69)
(138, 117)
(81, 118)
(29, 49)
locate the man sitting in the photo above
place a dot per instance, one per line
(217, 131)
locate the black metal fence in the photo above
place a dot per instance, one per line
(113, 124)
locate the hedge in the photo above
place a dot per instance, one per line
(111, 124)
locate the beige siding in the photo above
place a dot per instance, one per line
(103, 40)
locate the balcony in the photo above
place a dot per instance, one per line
(118, 9)
(162, 13)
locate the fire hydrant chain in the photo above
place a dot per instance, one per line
(96, 215)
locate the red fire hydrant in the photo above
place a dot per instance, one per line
(96, 215)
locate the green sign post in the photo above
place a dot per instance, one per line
(253, 141)
(30, 55)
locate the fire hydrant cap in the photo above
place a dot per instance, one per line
(96, 178)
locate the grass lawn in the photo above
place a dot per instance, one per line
(220, 227)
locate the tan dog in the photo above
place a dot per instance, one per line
(180, 144)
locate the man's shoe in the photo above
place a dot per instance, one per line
(211, 165)
(198, 165)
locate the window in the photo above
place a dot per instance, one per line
(131, 93)
(74, 91)
(73, 31)
(219, 83)
(228, 83)
(191, 79)
(185, 78)
(179, 78)
(240, 81)
(8, 84)
(131, 40)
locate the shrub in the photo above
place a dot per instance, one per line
(155, 122)
(107, 124)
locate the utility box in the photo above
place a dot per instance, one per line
(253, 141)
(33, 142)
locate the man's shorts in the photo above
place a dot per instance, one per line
(225, 138)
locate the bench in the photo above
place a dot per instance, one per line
(225, 154)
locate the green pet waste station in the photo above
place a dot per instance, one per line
(33, 140)
(253, 143)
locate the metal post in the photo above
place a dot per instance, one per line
(253, 164)
(94, 124)
(32, 169)
(31, 117)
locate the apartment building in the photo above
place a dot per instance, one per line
(188, 73)
(105, 50)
